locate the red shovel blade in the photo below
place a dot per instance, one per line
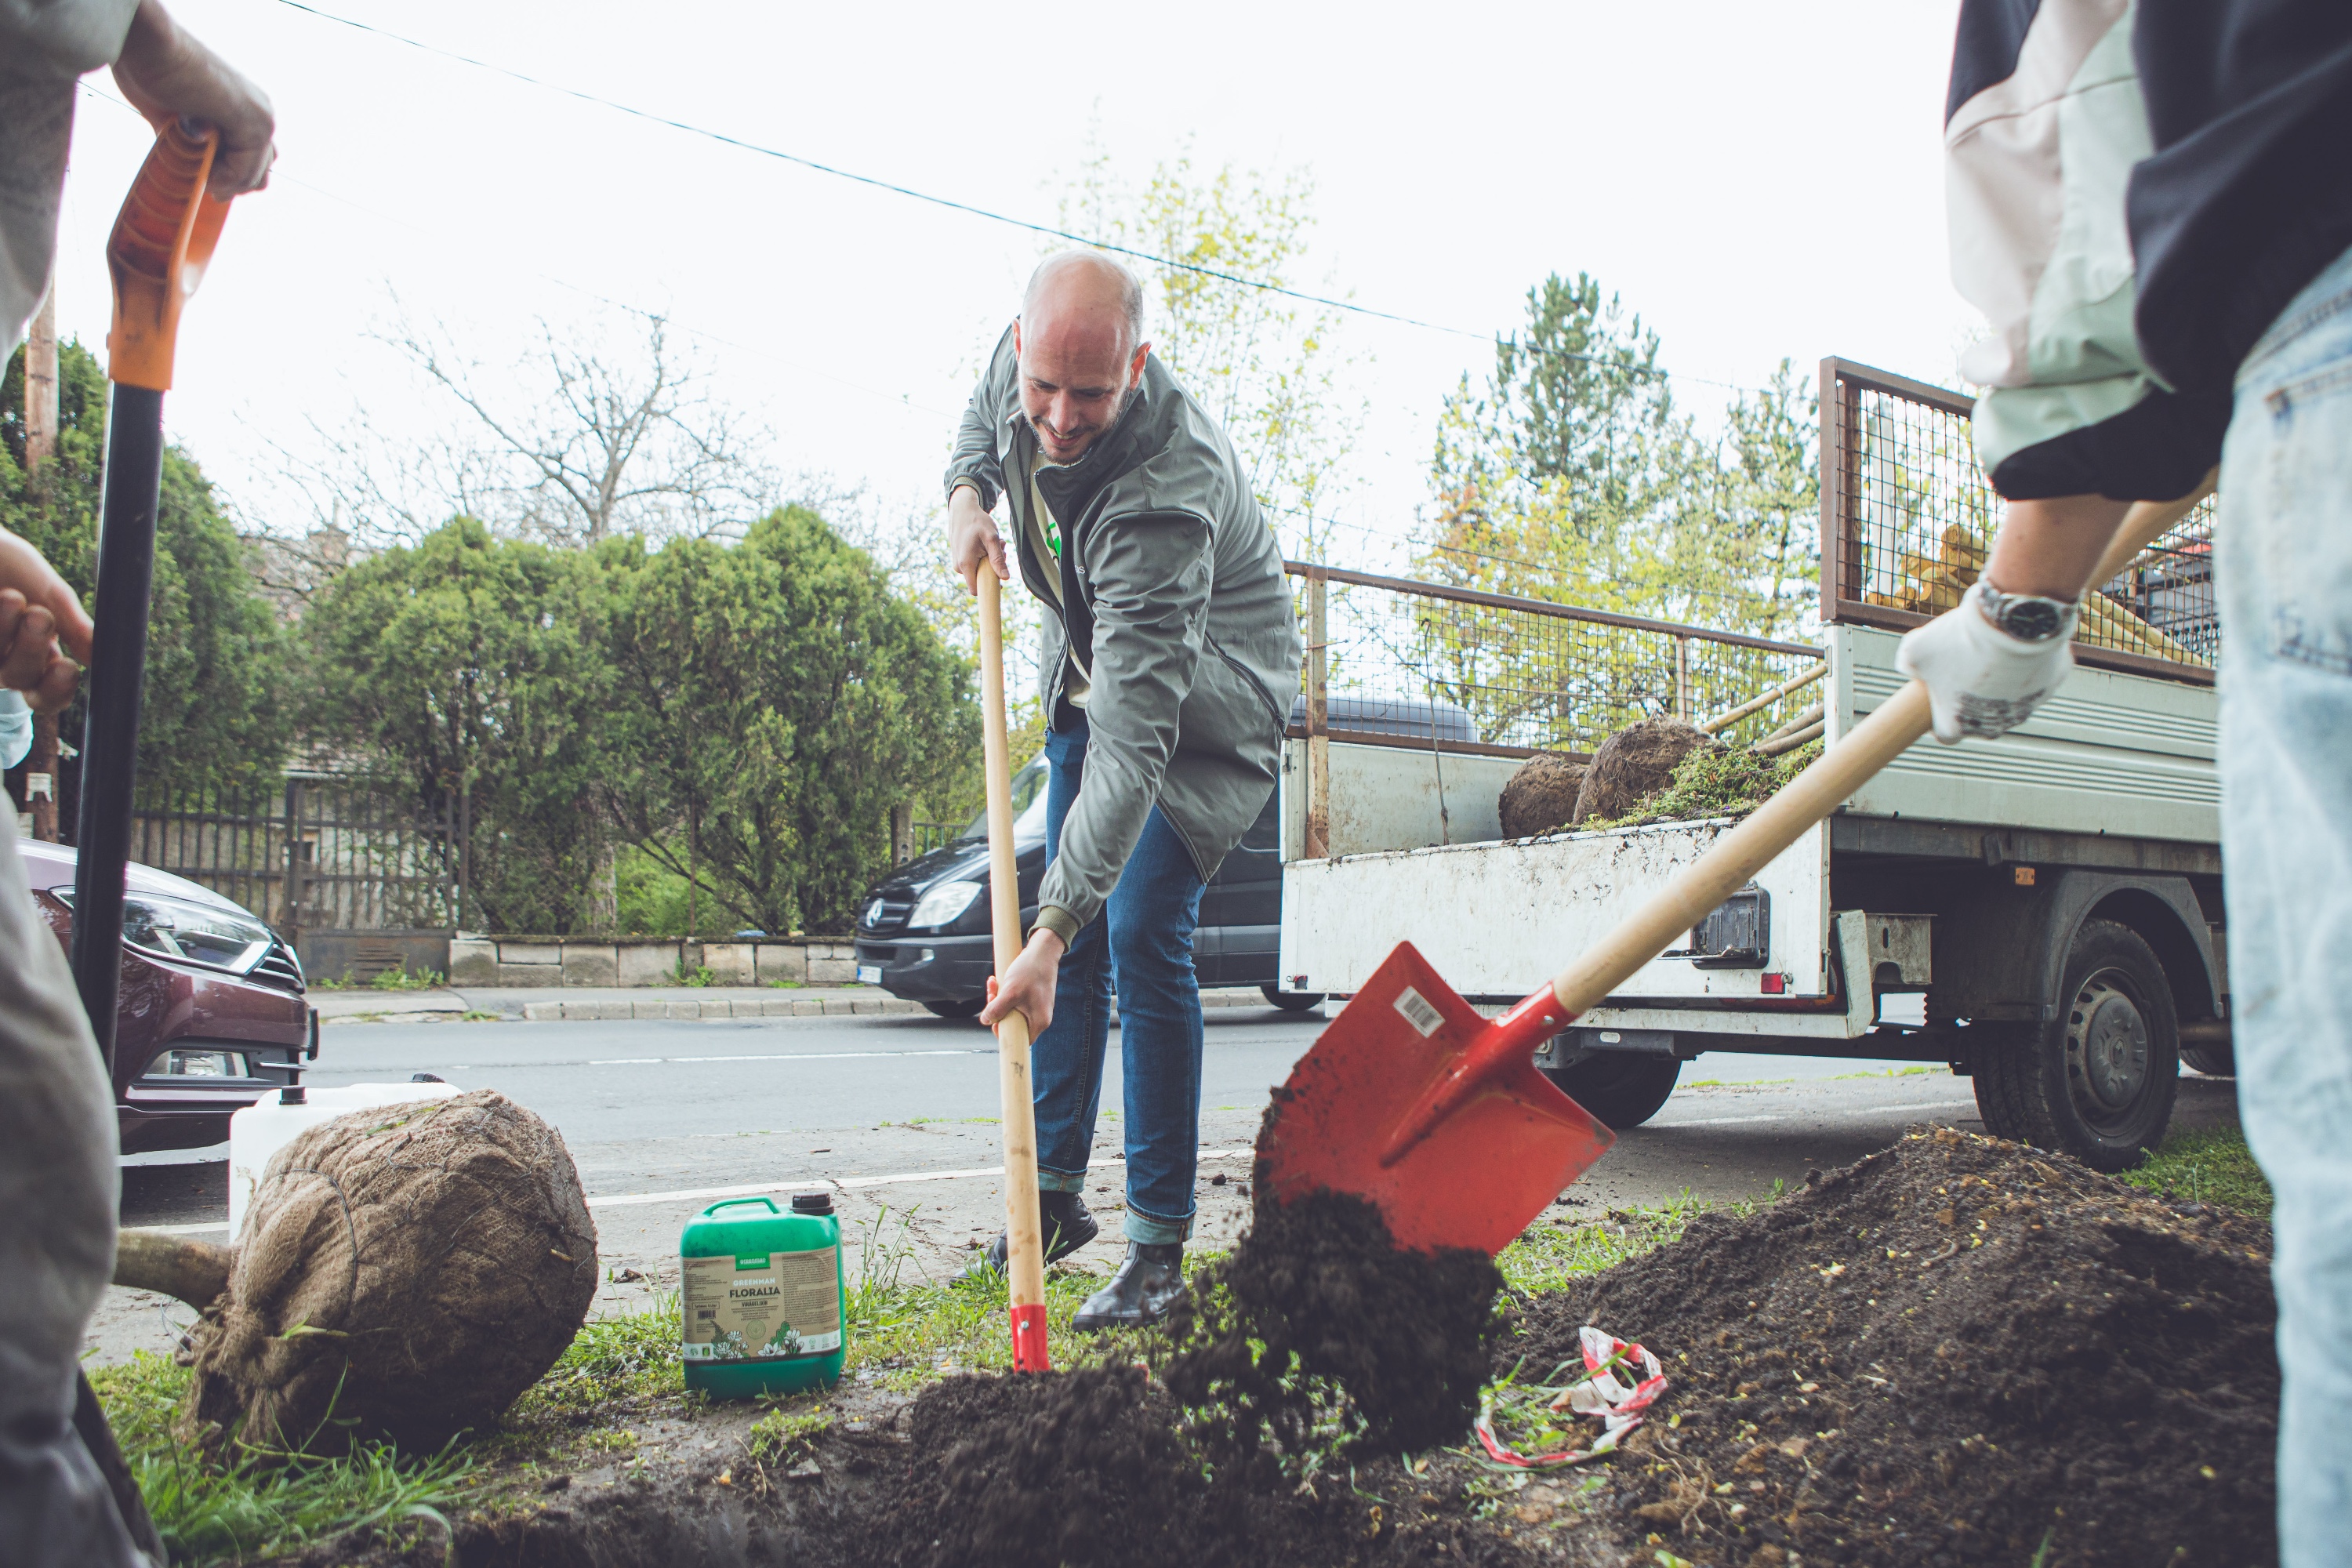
(1481, 1170)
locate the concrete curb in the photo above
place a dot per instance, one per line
(766, 1007)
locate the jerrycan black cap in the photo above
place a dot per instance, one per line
(811, 1203)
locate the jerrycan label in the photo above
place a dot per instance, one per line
(762, 1306)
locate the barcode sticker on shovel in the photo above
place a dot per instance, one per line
(1418, 1012)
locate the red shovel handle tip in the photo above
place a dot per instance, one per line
(1029, 1352)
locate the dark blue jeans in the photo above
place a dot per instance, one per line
(1141, 945)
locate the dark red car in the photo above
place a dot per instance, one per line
(214, 1014)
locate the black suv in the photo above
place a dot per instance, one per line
(924, 934)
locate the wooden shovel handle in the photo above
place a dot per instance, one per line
(1024, 1245)
(1820, 789)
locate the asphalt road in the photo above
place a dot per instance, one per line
(898, 1115)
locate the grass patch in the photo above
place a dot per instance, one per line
(786, 1435)
(1547, 1257)
(2207, 1165)
(631, 1357)
(908, 1333)
(400, 977)
(263, 1504)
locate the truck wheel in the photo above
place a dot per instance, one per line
(2218, 1061)
(1618, 1089)
(1290, 1001)
(968, 1008)
(2096, 1081)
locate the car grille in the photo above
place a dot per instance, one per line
(888, 913)
(278, 967)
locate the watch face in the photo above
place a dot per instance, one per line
(2032, 620)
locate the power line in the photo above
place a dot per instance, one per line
(280, 176)
(966, 207)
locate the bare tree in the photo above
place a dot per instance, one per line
(600, 445)
(578, 439)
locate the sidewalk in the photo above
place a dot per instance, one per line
(580, 1003)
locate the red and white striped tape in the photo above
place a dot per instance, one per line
(1599, 1392)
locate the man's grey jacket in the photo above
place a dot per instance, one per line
(1171, 579)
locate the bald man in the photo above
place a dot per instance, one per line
(1172, 659)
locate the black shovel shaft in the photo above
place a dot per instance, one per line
(117, 679)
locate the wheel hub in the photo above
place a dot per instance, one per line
(2107, 1046)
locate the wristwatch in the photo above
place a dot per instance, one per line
(2028, 617)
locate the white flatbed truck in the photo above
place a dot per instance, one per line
(2043, 912)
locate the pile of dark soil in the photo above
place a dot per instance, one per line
(1079, 1466)
(1540, 797)
(1085, 1470)
(408, 1271)
(1951, 1353)
(1635, 763)
(1317, 1320)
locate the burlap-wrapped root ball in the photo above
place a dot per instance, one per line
(403, 1272)
(1636, 762)
(1540, 797)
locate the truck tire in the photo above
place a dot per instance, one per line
(964, 1008)
(1618, 1089)
(2217, 1061)
(1290, 1001)
(2097, 1081)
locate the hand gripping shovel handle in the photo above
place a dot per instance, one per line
(161, 241)
(1728, 864)
(1024, 1245)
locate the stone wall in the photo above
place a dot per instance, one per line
(646, 961)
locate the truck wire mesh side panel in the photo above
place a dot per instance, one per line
(1907, 518)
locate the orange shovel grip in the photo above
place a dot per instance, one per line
(163, 240)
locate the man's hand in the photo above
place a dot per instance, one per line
(167, 75)
(973, 539)
(1981, 681)
(1028, 984)
(37, 610)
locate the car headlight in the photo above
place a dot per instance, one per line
(194, 933)
(943, 903)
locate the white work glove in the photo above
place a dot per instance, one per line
(1980, 680)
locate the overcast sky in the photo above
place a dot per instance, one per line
(1760, 180)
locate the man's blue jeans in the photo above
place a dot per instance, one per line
(2284, 572)
(1143, 944)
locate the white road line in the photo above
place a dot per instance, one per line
(173, 1229)
(778, 1056)
(848, 1183)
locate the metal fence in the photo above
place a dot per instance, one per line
(313, 855)
(1907, 518)
(350, 857)
(1472, 672)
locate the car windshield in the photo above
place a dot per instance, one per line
(1028, 798)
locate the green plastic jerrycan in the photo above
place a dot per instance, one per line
(762, 1298)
